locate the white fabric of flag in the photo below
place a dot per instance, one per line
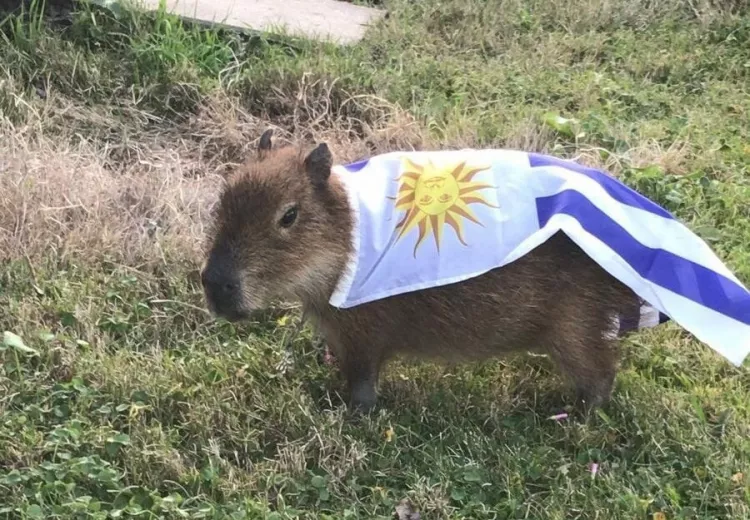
(426, 219)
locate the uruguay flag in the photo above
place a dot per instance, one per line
(425, 219)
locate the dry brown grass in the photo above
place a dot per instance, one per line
(61, 198)
(148, 199)
(225, 133)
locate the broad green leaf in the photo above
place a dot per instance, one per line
(318, 482)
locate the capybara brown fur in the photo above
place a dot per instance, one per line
(283, 230)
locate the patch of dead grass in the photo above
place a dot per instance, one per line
(225, 133)
(142, 199)
(62, 195)
(674, 159)
(59, 199)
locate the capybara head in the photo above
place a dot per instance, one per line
(282, 230)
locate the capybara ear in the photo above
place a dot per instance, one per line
(318, 165)
(265, 143)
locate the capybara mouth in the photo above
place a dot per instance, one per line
(235, 316)
(227, 312)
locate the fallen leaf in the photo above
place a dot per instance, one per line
(388, 434)
(659, 516)
(405, 511)
(737, 478)
(15, 342)
(561, 124)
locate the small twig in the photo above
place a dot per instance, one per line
(32, 271)
(188, 305)
(58, 208)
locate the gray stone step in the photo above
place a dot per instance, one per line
(331, 20)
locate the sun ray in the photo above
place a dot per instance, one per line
(465, 187)
(415, 217)
(463, 210)
(403, 219)
(457, 227)
(405, 200)
(438, 223)
(478, 199)
(423, 225)
(412, 167)
(408, 216)
(408, 182)
(469, 173)
(456, 173)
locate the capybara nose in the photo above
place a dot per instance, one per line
(219, 284)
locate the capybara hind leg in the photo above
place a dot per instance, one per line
(591, 367)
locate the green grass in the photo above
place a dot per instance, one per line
(129, 401)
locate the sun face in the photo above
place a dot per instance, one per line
(436, 196)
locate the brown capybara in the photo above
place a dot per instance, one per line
(283, 230)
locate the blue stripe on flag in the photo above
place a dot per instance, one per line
(660, 267)
(356, 166)
(615, 188)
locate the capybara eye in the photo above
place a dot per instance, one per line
(289, 217)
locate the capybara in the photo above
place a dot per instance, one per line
(283, 229)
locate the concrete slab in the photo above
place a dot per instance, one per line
(331, 20)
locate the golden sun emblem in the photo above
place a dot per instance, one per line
(434, 196)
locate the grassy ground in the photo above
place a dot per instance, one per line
(125, 399)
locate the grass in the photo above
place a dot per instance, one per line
(120, 397)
